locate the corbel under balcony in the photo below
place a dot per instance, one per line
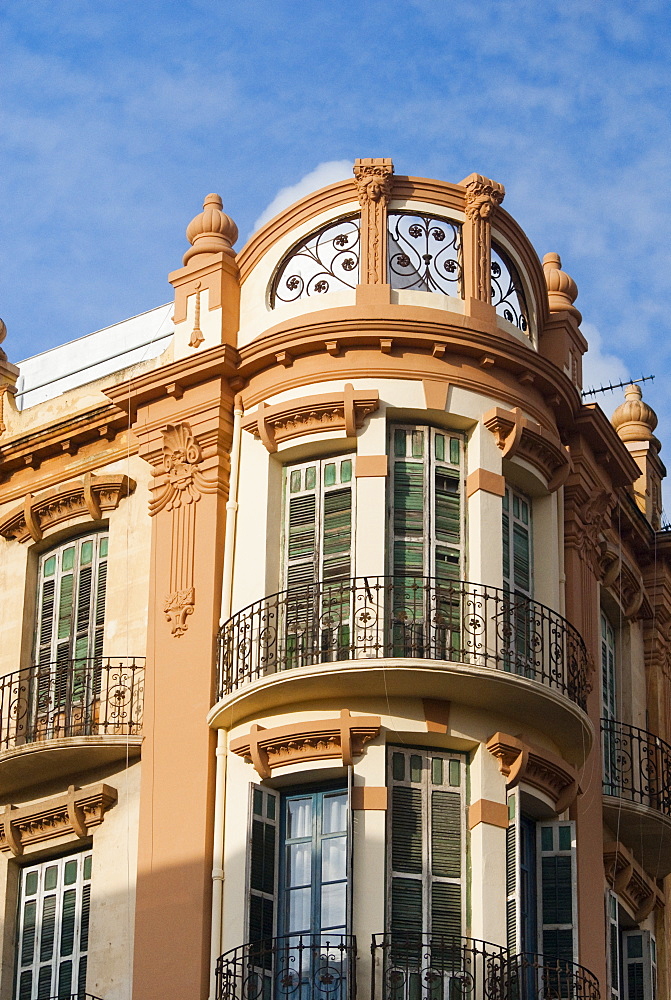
(525, 763)
(626, 877)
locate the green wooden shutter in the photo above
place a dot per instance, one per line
(516, 532)
(262, 863)
(318, 521)
(426, 870)
(557, 880)
(639, 961)
(52, 938)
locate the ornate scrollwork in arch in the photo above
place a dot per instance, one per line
(425, 253)
(325, 261)
(508, 296)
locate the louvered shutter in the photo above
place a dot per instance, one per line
(639, 962)
(262, 863)
(557, 880)
(52, 939)
(613, 947)
(425, 845)
(516, 532)
(513, 930)
(318, 522)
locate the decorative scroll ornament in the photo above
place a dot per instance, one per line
(182, 487)
(424, 253)
(325, 261)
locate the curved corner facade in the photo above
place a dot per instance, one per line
(335, 657)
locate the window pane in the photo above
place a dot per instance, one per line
(564, 838)
(87, 553)
(334, 859)
(270, 807)
(103, 545)
(329, 474)
(415, 767)
(299, 910)
(334, 818)
(455, 773)
(398, 767)
(334, 905)
(51, 877)
(68, 558)
(88, 861)
(298, 864)
(399, 444)
(295, 481)
(346, 471)
(437, 770)
(70, 872)
(258, 802)
(50, 566)
(417, 444)
(454, 451)
(440, 447)
(31, 883)
(310, 477)
(547, 840)
(299, 818)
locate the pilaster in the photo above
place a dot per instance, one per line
(482, 198)
(373, 183)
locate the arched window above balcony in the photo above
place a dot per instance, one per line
(424, 253)
(325, 261)
(508, 296)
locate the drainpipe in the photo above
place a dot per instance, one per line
(220, 759)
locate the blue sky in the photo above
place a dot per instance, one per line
(116, 118)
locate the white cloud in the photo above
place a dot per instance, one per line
(325, 173)
(599, 368)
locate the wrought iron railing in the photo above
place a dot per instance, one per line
(294, 967)
(408, 617)
(93, 696)
(439, 967)
(434, 967)
(636, 765)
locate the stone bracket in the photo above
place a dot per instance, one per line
(517, 436)
(630, 882)
(535, 766)
(78, 812)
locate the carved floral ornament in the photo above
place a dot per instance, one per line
(92, 496)
(311, 415)
(321, 739)
(77, 813)
(521, 762)
(517, 436)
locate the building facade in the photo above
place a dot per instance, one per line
(335, 634)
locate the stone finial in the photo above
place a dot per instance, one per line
(212, 231)
(634, 420)
(562, 289)
(373, 180)
(3, 334)
(483, 196)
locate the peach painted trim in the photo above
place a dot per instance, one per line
(489, 482)
(486, 811)
(344, 737)
(371, 466)
(630, 882)
(94, 496)
(311, 415)
(77, 812)
(535, 766)
(369, 797)
(436, 714)
(435, 394)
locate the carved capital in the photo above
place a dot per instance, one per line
(183, 483)
(177, 608)
(373, 180)
(483, 196)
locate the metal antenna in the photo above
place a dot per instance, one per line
(618, 385)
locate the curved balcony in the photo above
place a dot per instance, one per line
(429, 638)
(637, 792)
(305, 966)
(73, 715)
(414, 965)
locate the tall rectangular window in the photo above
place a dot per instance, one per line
(53, 932)
(426, 863)
(516, 530)
(426, 500)
(609, 707)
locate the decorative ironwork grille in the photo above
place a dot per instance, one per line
(507, 290)
(637, 765)
(438, 967)
(295, 967)
(95, 696)
(324, 261)
(403, 617)
(424, 252)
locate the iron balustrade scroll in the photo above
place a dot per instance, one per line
(425, 253)
(637, 765)
(508, 296)
(294, 967)
(92, 696)
(403, 617)
(409, 966)
(324, 261)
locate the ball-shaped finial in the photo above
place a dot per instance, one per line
(212, 231)
(562, 289)
(3, 334)
(634, 420)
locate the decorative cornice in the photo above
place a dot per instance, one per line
(77, 813)
(311, 415)
(92, 496)
(630, 882)
(535, 766)
(520, 437)
(321, 739)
